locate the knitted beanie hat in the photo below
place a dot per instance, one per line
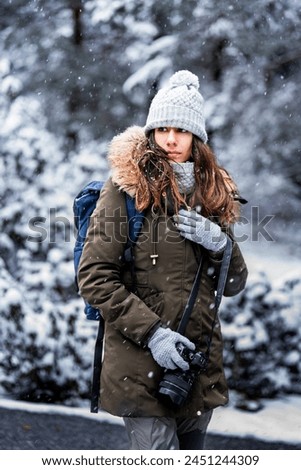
(179, 105)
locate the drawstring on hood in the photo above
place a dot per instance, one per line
(154, 237)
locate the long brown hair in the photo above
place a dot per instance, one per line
(215, 192)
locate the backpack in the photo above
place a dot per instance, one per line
(83, 207)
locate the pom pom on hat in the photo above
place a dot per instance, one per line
(179, 105)
(184, 77)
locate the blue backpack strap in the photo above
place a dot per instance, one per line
(135, 218)
(135, 221)
(83, 207)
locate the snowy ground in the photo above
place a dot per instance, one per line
(278, 420)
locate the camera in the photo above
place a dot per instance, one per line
(176, 384)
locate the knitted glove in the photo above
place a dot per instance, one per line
(200, 230)
(163, 348)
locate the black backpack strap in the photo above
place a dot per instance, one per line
(97, 364)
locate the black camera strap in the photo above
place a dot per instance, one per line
(191, 299)
(219, 291)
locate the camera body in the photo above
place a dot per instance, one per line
(176, 384)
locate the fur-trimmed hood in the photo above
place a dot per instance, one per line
(125, 151)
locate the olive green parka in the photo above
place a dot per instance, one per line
(165, 267)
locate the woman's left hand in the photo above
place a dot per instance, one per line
(198, 229)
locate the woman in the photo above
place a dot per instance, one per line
(189, 202)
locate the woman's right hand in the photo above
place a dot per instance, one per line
(163, 348)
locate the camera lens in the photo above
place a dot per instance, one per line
(174, 389)
(176, 384)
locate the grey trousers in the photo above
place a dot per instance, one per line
(167, 433)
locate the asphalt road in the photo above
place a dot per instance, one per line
(23, 430)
